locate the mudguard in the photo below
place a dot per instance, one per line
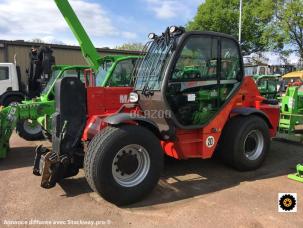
(124, 118)
(246, 111)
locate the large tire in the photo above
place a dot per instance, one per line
(123, 164)
(12, 100)
(245, 142)
(29, 131)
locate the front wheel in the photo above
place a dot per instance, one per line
(123, 164)
(29, 131)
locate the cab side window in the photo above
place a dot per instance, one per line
(197, 61)
(4, 73)
(230, 60)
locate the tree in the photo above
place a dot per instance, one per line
(223, 16)
(131, 46)
(286, 31)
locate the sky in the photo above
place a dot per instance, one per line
(109, 23)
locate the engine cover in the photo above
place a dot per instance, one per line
(70, 117)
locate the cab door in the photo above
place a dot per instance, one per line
(204, 76)
(5, 80)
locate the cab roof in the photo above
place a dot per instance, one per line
(295, 74)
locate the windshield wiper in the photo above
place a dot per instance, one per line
(154, 62)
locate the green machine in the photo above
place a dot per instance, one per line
(299, 175)
(291, 118)
(38, 111)
(291, 121)
(268, 85)
(267, 78)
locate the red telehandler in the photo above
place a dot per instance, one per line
(190, 100)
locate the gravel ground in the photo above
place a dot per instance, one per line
(194, 193)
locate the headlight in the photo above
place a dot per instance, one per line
(133, 97)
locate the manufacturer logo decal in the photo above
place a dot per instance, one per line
(210, 141)
(123, 99)
(287, 202)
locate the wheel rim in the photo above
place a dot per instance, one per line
(131, 165)
(253, 144)
(32, 128)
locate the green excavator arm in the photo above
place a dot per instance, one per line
(89, 51)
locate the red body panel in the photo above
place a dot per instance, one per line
(189, 143)
(193, 143)
(106, 100)
(102, 102)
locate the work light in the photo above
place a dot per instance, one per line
(133, 97)
(173, 29)
(152, 36)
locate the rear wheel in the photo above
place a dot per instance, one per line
(123, 164)
(29, 130)
(12, 100)
(244, 143)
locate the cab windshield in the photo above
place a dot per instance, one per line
(150, 71)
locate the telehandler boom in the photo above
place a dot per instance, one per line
(89, 51)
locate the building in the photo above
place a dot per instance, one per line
(64, 54)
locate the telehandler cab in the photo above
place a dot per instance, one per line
(190, 99)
